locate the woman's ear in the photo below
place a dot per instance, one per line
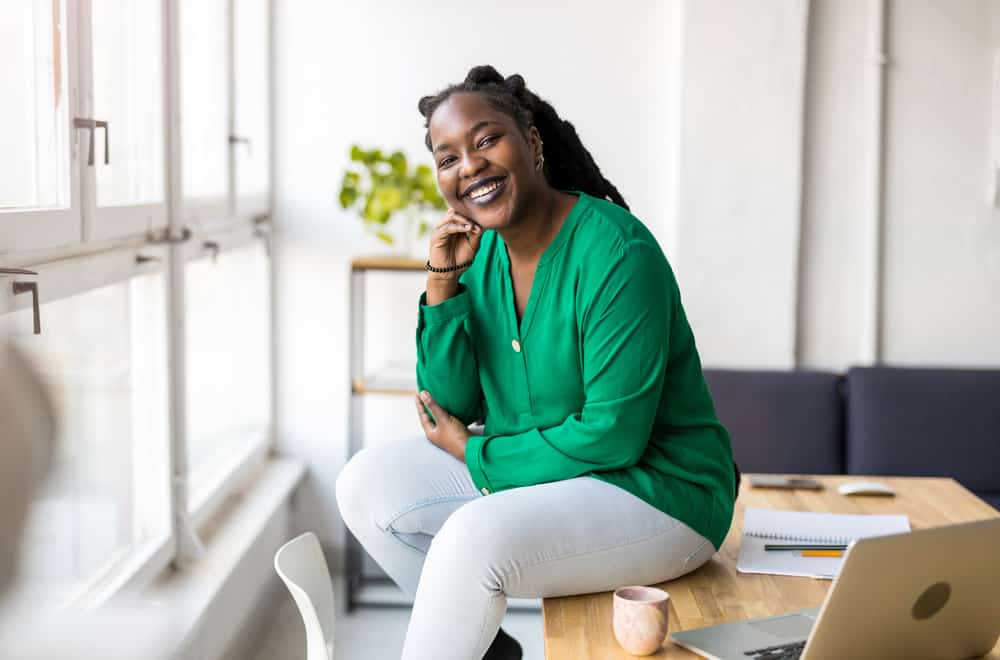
(535, 142)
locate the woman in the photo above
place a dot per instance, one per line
(552, 314)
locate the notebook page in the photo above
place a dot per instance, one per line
(762, 526)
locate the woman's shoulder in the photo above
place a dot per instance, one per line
(608, 229)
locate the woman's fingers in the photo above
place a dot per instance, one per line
(440, 414)
(474, 237)
(451, 216)
(454, 227)
(425, 420)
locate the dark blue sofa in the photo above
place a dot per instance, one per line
(873, 420)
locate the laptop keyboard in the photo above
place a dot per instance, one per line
(782, 652)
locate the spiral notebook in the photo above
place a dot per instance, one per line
(762, 526)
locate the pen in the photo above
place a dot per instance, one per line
(782, 546)
(822, 553)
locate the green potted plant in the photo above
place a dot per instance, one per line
(383, 189)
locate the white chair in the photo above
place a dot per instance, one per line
(302, 568)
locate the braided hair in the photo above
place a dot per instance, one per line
(568, 164)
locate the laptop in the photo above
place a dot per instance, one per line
(932, 594)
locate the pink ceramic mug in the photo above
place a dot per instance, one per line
(641, 615)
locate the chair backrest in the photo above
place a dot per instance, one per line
(781, 421)
(302, 567)
(925, 422)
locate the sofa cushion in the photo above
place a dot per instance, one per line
(781, 421)
(925, 422)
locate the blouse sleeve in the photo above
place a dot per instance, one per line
(446, 361)
(625, 326)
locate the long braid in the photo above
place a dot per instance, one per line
(568, 164)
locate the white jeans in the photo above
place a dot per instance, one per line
(416, 511)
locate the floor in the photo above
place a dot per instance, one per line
(371, 633)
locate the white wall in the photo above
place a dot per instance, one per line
(942, 278)
(352, 72)
(941, 241)
(743, 69)
(737, 131)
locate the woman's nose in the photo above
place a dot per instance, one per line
(471, 165)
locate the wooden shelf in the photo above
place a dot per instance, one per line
(387, 263)
(397, 379)
(375, 387)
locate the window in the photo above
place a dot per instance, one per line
(36, 170)
(106, 499)
(33, 114)
(250, 142)
(228, 351)
(204, 126)
(225, 55)
(88, 166)
(127, 82)
(86, 153)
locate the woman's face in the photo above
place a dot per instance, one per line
(485, 166)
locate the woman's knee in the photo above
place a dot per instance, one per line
(352, 482)
(359, 493)
(473, 546)
(380, 481)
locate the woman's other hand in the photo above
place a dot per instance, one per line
(449, 434)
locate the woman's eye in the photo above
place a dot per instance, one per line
(445, 162)
(488, 140)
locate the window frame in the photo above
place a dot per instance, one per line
(110, 222)
(33, 229)
(74, 250)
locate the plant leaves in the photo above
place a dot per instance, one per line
(347, 197)
(398, 162)
(388, 187)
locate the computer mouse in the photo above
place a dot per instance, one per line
(865, 488)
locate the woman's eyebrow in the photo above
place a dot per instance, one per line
(472, 131)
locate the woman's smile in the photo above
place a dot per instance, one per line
(486, 191)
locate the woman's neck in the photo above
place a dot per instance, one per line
(527, 239)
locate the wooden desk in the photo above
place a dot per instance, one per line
(579, 627)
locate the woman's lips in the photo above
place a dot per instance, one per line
(490, 196)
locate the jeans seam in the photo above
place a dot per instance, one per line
(482, 629)
(696, 552)
(391, 532)
(420, 504)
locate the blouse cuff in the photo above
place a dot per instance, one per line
(473, 460)
(446, 310)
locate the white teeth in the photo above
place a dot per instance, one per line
(485, 190)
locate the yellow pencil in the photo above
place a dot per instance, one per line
(822, 553)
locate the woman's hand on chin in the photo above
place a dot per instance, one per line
(450, 434)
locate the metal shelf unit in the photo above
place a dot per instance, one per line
(361, 589)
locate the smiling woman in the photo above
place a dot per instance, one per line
(551, 314)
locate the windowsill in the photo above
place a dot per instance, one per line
(204, 611)
(187, 595)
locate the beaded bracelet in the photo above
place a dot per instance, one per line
(447, 269)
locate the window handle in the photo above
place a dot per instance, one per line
(213, 247)
(91, 125)
(242, 139)
(25, 287)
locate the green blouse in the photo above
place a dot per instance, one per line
(602, 377)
